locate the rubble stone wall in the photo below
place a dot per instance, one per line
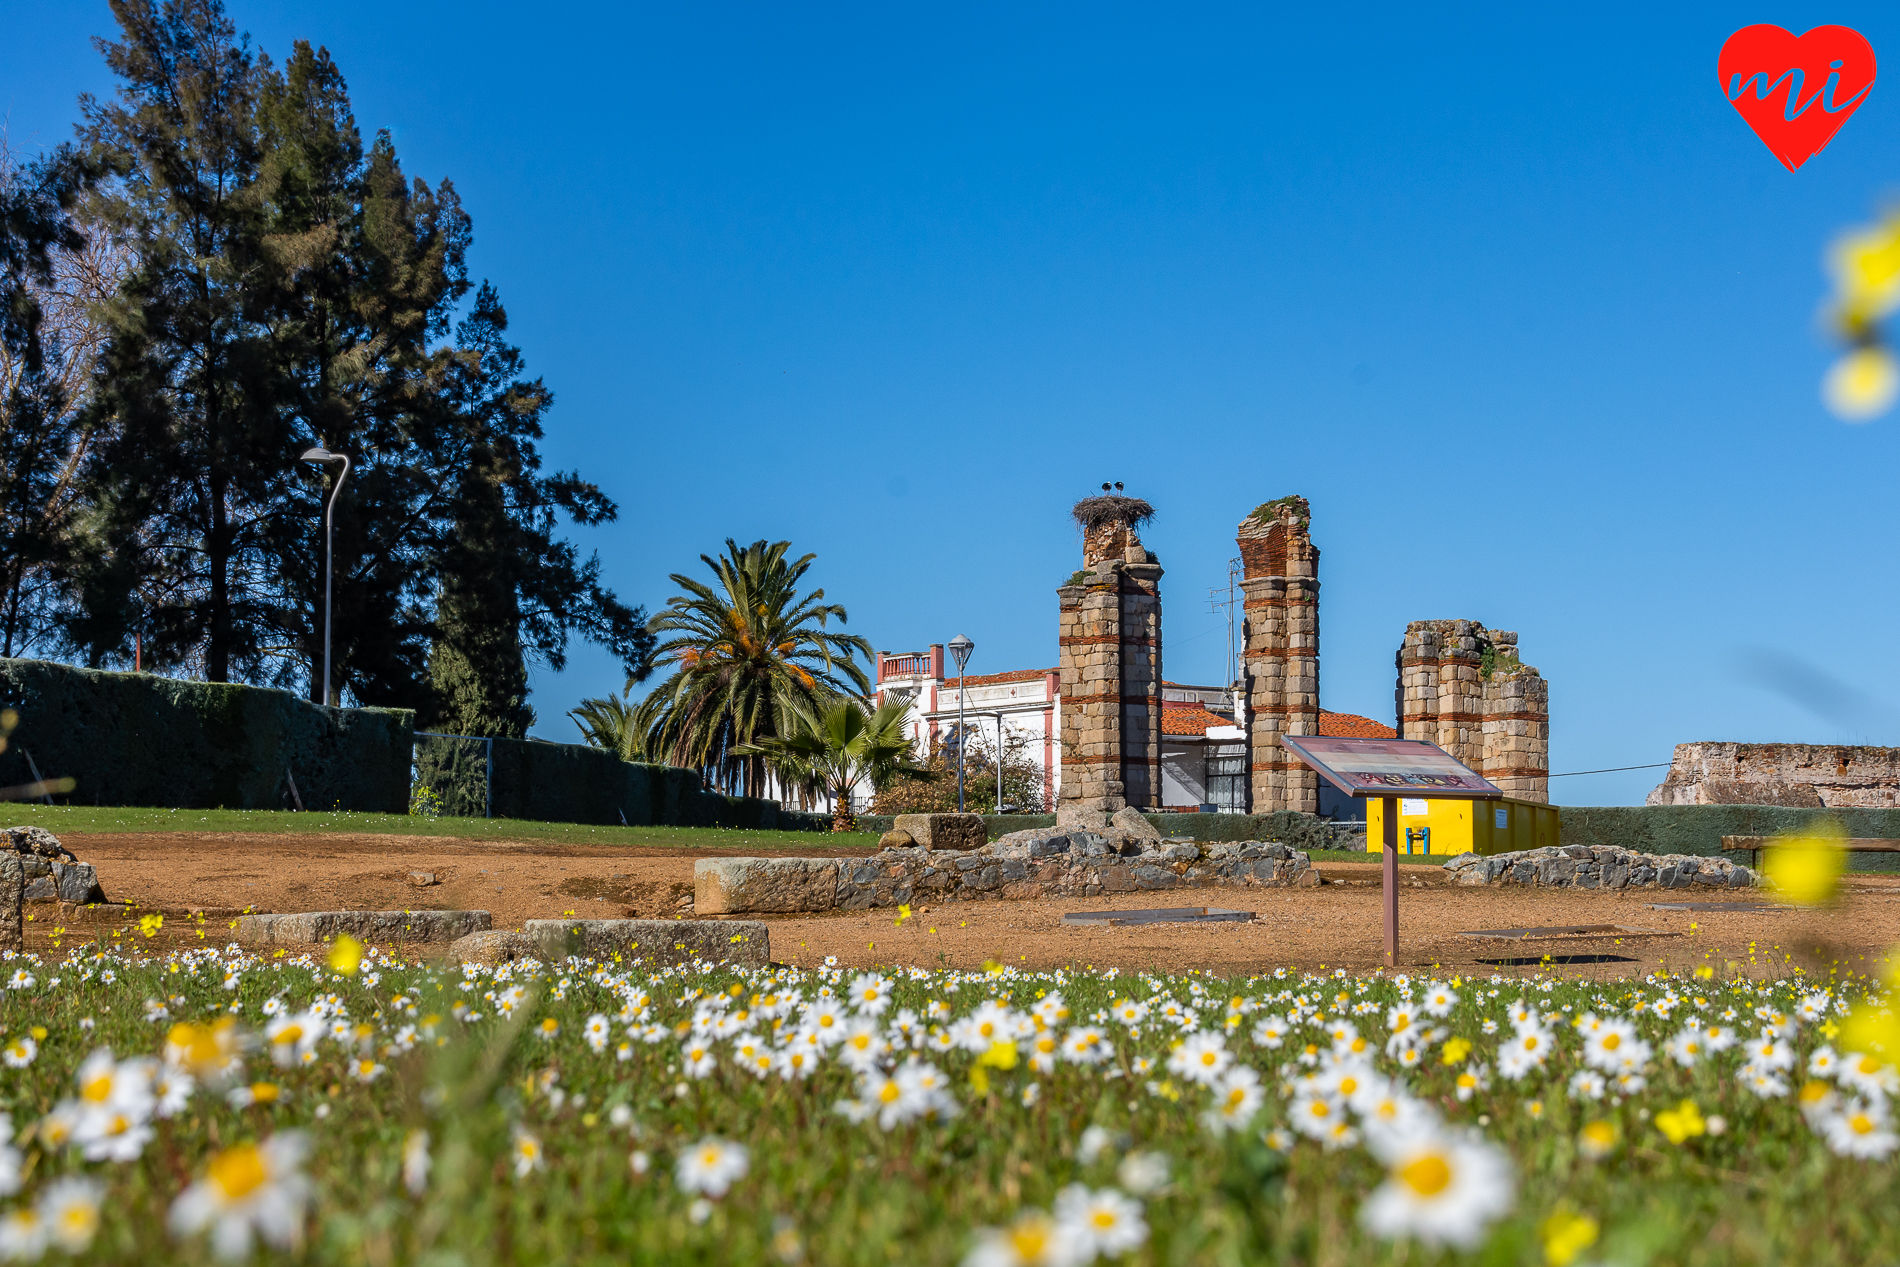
(1795, 776)
(1599, 867)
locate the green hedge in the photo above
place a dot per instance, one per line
(1698, 829)
(572, 783)
(139, 739)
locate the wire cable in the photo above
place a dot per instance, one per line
(1657, 765)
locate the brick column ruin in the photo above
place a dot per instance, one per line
(1463, 688)
(1109, 639)
(1280, 665)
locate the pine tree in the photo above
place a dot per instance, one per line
(508, 587)
(198, 456)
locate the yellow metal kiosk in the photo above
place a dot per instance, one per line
(1445, 827)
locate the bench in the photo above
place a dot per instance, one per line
(1753, 845)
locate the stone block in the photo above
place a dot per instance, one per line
(943, 831)
(1130, 822)
(375, 927)
(35, 841)
(652, 942)
(728, 886)
(894, 839)
(1087, 817)
(12, 897)
(492, 947)
(422, 879)
(77, 882)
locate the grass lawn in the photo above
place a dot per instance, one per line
(79, 818)
(179, 1110)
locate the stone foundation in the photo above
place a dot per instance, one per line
(1599, 867)
(305, 928)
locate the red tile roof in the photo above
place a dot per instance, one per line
(1353, 726)
(1189, 719)
(993, 679)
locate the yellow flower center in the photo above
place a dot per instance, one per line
(99, 1090)
(1861, 1124)
(1427, 1176)
(1530, 1042)
(889, 1093)
(238, 1172)
(1103, 1219)
(1612, 1041)
(1208, 1058)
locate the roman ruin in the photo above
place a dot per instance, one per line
(1463, 687)
(1280, 663)
(1109, 640)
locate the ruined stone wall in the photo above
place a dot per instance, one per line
(1280, 663)
(1798, 776)
(1463, 687)
(1109, 639)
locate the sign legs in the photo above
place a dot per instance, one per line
(1390, 832)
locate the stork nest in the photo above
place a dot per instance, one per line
(1092, 512)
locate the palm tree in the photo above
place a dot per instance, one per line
(750, 654)
(612, 723)
(838, 749)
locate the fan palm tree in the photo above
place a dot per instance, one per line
(613, 723)
(839, 748)
(749, 653)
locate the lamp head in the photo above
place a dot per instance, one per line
(319, 454)
(960, 649)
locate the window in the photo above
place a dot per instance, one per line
(1227, 777)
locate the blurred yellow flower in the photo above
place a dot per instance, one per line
(1566, 1235)
(346, 955)
(1875, 1033)
(1862, 384)
(150, 924)
(1682, 1122)
(1456, 1049)
(1866, 267)
(1806, 868)
(1597, 1139)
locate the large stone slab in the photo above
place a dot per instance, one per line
(376, 927)
(652, 942)
(943, 831)
(731, 886)
(74, 882)
(492, 947)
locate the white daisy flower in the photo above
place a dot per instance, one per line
(253, 1189)
(1102, 1222)
(1237, 1097)
(1859, 1129)
(1201, 1058)
(1442, 1188)
(1033, 1240)
(711, 1167)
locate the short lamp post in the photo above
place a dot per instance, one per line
(960, 648)
(322, 455)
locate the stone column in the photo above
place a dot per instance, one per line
(1516, 723)
(1141, 679)
(1280, 663)
(1089, 646)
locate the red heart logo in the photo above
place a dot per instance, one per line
(1796, 91)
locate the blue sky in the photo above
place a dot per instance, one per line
(1513, 296)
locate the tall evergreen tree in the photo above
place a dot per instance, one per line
(367, 271)
(196, 464)
(44, 363)
(510, 589)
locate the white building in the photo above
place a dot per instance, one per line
(1204, 739)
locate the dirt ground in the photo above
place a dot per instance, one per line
(199, 880)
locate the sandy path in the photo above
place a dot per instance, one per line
(1336, 925)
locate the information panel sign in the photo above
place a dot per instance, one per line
(1390, 767)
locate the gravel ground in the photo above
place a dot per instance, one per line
(1335, 925)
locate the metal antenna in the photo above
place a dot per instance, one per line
(1216, 603)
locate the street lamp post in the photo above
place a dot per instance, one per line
(324, 455)
(960, 648)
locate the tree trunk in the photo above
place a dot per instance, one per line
(842, 819)
(218, 560)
